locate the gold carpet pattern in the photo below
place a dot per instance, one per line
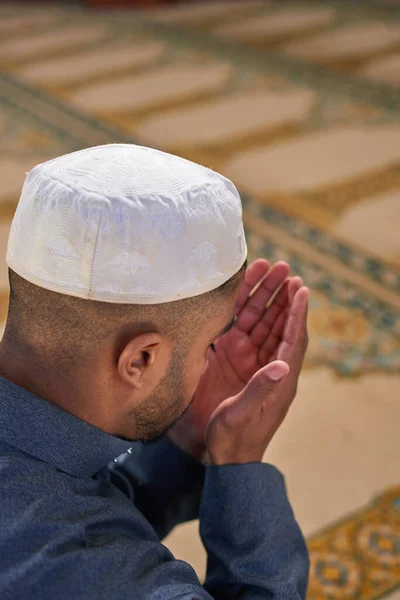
(360, 556)
(298, 103)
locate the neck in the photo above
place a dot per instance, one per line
(76, 390)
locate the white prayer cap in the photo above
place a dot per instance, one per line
(126, 224)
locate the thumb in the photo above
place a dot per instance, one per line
(265, 381)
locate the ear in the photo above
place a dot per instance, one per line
(143, 361)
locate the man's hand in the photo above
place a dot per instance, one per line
(251, 344)
(242, 426)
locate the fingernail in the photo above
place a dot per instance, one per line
(276, 373)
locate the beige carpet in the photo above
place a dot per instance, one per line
(297, 102)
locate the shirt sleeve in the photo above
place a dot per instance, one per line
(165, 481)
(255, 547)
(84, 539)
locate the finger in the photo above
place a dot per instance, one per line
(254, 273)
(295, 332)
(295, 284)
(255, 305)
(269, 348)
(275, 320)
(262, 384)
(260, 332)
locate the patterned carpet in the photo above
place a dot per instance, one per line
(299, 103)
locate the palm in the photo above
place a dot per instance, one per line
(265, 329)
(253, 341)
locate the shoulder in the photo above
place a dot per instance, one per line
(34, 493)
(53, 524)
(27, 477)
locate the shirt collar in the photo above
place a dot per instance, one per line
(53, 435)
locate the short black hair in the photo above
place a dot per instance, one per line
(72, 328)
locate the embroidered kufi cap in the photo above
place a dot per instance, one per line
(126, 224)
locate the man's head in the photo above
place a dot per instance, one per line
(124, 264)
(142, 363)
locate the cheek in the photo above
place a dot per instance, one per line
(205, 366)
(195, 373)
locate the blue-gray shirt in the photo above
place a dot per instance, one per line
(82, 514)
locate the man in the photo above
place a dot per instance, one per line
(131, 315)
